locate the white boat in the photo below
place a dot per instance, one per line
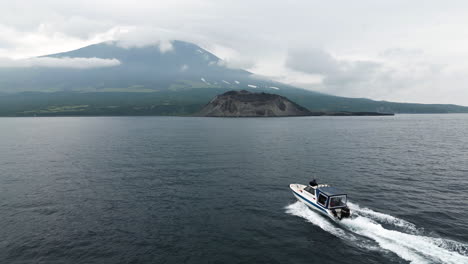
(323, 198)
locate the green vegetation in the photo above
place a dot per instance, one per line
(183, 102)
(102, 103)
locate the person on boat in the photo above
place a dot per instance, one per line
(313, 183)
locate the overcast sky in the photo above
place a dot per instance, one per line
(396, 50)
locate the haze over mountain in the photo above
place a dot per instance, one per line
(174, 78)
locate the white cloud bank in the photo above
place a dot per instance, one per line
(395, 75)
(65, 62)
(128, 37)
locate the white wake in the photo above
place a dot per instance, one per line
(406, 242)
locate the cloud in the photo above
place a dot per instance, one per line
(401, 53)
(312, 60)
(17, 44)
(404, 50)
(395, 74)
(237, 63)
(336, 73)
(128, 37)
(231, 58)
(65, 62)
(184, 67)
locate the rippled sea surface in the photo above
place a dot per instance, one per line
(208, 190)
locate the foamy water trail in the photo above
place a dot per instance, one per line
(406, 244)
(382, 218)
(301, 210)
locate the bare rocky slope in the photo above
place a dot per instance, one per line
(248, 104)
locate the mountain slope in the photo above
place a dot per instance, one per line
(150, 82)
(141, 69)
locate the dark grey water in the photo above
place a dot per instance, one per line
(206, 190)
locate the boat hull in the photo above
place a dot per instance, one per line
(311, 204)
(310, 200)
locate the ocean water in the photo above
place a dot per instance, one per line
(212, 190)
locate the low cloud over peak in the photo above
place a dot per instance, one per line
(65, 62)
(130, 37)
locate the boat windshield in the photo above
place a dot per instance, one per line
(337, 201)
(310, 190)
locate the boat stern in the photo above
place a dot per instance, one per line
(341, 213)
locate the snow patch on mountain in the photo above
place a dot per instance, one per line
(203, 80)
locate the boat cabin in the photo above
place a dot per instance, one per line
(327, 196)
